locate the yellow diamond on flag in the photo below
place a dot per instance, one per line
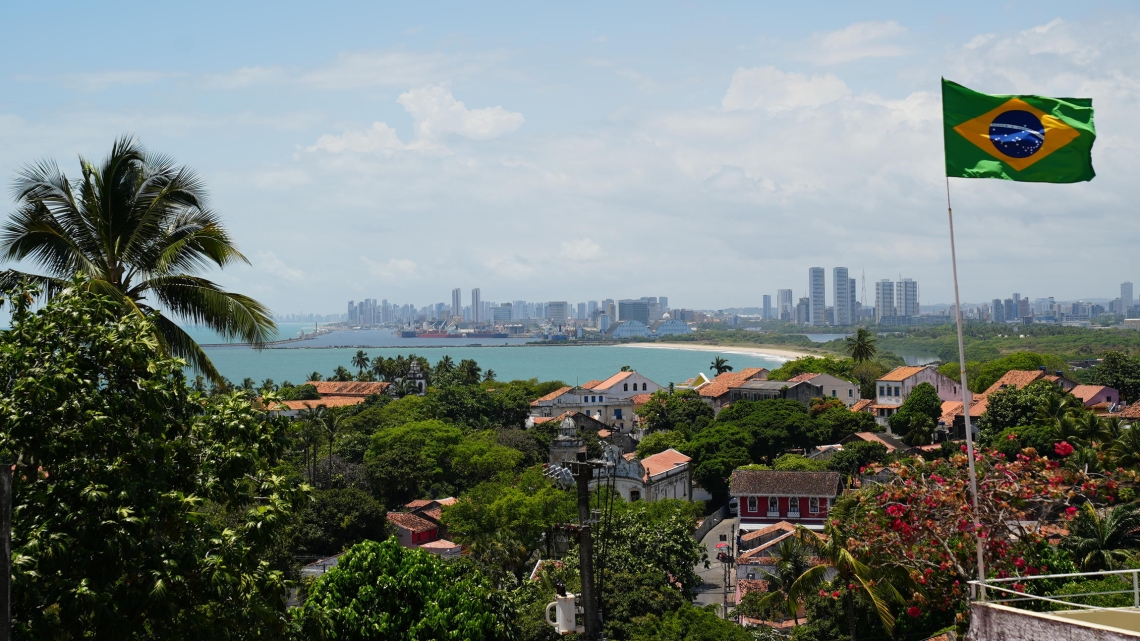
(1017, 133)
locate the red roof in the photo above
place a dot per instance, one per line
(755, 534)
(640, 399)
(799, 378)
(418, 503)
(1132, 411)
(1087, 392)
(872, 437)
(441, 544)
(720, 385)
(1015, 378)
(901, 373)
(551, 396)
(862, 405)
(411, 522)
(663, 462)
(348, 388)
(591, 384)
(328, 401)
(611, 381)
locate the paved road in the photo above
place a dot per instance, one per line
(712, 590)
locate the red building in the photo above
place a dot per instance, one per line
(768, 496)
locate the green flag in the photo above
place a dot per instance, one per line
(1024, 138)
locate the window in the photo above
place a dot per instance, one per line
(627, 387)
(752, 504)
(584, 398)
(645, 388)
(773, 504)
(617, 414)
(813, 505)
(833, 394)
(601, 399)
(850, 392)
(896, 391)
(634, 495)
(881, 392)
(1108, 398)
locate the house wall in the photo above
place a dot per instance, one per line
(629, 386)
(1107, 395)
(760, 514)
(948, 389)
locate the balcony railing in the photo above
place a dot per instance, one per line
(793, 514)
(773, 514)
(1017, 592)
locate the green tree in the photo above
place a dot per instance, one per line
(683, 410)
(1120, 372)
(138, 229)
(774, 425)
(861, 346)
(341, 375)
(142, 510)
(1012, 407)
(468, 371)
(785, 589)
(840, 368)
(360, 362)
(689, 623)
(489, 376)
(661, 441)
(315, 377)
(1103, 539)
(407, 462)
(798, 463)
(855, 456)
(717, 451)
(720, 365)
(921, 410)
(379, 590)
(338, 518)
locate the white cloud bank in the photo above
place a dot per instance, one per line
(770, 88)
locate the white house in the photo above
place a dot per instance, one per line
(665, 475)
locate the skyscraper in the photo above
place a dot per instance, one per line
(785, 306)
(767, 306)
(884, 299)
(476, 305)
(637, 310)
(457, 302)
(817, 297)
(853, 304)
(591, 308)
(664, 302)
(1126, 295)
(558, 311)
(997, 311)
(842, 285)
(906, 297)
(582, 311)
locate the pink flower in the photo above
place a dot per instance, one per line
(1011, 437)
(963, 448)
(1020, 563)
(1070, 511)
(1063, 448)
(914, 611)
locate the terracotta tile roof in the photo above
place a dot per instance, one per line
(451, 500)
(441, 544)
(604, 433)
(807, 376)
(551, 396)
(411, 522)
(744, 586)
(1087, 392)
(762, 553)
(1132, 411)
(1015, 378)
(432, 513)
(756, 534)
(640, 399)
(901, 373)
(590, 384)
(874, 437)
(418, 503)
(782, 483)
(663, 462)
(862, 405)
(539, 420)
(611, 381)
(720, 385)
(328, 401)
(348, 388)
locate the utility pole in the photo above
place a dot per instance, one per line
(583, 472)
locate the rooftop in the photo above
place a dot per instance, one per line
(409, 521)
(1015, 378)
(348, 388)
(901, 373)
(611, 381)
(327, 401)
(784, 483)
(663, 462)
(551, 396)
(720, 385)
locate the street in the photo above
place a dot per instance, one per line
(712, 589)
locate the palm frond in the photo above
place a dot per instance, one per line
(202, 302)
(178, 343)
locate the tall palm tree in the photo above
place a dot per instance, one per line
(137, 227)
(360, 362)
(489, 375)
(1101, 540)
(720, 365)
(1126, 448)
(784, 589)
(315, 376)
(381, 368)
(469, 371)
(445, 365)
(861, 346)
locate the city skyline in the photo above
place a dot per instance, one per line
(551, 146)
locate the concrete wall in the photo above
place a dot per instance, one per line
(990, 622)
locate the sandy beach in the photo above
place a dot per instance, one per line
(775, 353)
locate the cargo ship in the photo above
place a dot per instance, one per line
(486, 335)
(437, 335)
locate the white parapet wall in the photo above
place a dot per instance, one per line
(992, 622)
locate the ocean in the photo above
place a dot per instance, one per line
(513, 360)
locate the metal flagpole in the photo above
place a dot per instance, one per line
(966, 403)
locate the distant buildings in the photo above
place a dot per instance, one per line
(785, 306)
(817, 297)
(767, 313)
(1126, 294)
(476, 305)
(637, 310)
(557, 312)
(843, 296)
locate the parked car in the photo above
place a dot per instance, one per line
(733, 506)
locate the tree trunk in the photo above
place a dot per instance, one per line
(850, 614)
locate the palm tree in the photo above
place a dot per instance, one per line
(1103, 539)
(137, 228)
(469, 371)
(360, 362)
(920, 430)
(829, 546)
(1126, 448)
(784, 589)
(489, 375)
(381, 368)
(861, 346)
(315, 376)
(341, 374)
(445, 365)
(720, 364)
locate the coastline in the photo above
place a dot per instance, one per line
(776, 353)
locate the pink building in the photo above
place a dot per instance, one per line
(768, 496)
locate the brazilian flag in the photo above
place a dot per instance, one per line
(1024, 138)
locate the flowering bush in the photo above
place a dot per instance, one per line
(1063, 448)
(921, 521)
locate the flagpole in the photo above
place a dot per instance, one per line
(966, 402)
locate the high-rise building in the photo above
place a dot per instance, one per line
(609, 309)
(884, 299)
(906, 298)
(457, 302)
(842, 284)
(852, 303)
(1126, 294)
(558, 312)
(767, 313)
(476, 305)
(997, 311)
(581, 311)
(637, 310)
(817, 297)
(592, 309)
(803, 311)
(785, 306)
(1013, 311)
(503, 313)
(664, 302)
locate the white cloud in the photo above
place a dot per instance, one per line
(268, 262)
(772, 89)
(394, 268)
(856, 42)
(379, 137)
(582, 249)
(437, 112)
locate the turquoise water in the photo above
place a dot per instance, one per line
(571, 364)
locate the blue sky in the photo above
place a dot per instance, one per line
(707, 152)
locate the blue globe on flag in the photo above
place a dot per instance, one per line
(1017, 133)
